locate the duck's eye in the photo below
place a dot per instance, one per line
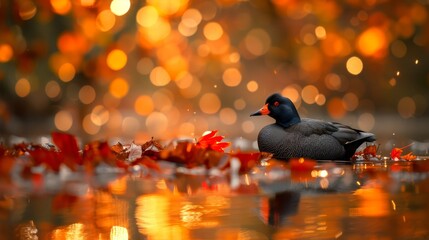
(276, 104)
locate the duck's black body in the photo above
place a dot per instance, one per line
(293, 137)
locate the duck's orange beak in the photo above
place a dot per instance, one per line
(263, 111)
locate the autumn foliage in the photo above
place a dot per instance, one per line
(396, 154)
(206, 151)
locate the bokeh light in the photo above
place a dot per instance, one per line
(27, 10)
(130, 125)
(155, 34)
(257, 42)
(354, 65)
(144, 105)
(119, 87)
(100, 115)
(248, 126)
(351, 101)
(209, 103)
(159, 76)
(147, 16)
(239, 104)
(293, 93)
(366, 121)
(320, 99)
(252, 86)
(156, 124)
(52, 89)
(186, 129)
(87, 94)
(105, 20)
(120, 7)
(231, 77)
(372, 42)
(63, 120)
(333, 81)
(320, 32)
(89, 126)
(209, 64)
(213, 31)
(66, 72)
(309, 94)
(169, 7)
(191, 18)
(6, 52)
(228, 116)
(61, 7)
(193, 90)
(116, 59)
(22, 87)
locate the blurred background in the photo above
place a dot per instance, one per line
(171, 68)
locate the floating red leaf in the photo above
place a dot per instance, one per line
(248, 160)
(51, 159)
(148, 162)
(396, 154)
(370, 150)
(212, 142)
(69, 149)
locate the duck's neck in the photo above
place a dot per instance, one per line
(288, 122)
(288, 116)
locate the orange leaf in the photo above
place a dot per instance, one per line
(395, 154)
(409, 156)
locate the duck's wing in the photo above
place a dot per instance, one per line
(309, 126)
(343, 133)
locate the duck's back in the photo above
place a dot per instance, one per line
(305, 139)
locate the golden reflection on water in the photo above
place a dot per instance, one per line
(373, 202)
(160, 216)
(382, 206)
(118, 233)
(73, 231)
(153, 218)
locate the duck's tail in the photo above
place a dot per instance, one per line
(351, 146)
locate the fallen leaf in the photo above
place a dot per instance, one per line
(396, 154)
(67, 144)
(210, 141)
(135, 152)
(51, 159)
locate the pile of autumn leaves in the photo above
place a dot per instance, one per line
(207, 150)
(370, 153)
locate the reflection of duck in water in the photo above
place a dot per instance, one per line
(281, 206)
(293, 137)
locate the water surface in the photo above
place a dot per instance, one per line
(361, 201)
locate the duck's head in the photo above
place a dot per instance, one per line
(281, 109)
